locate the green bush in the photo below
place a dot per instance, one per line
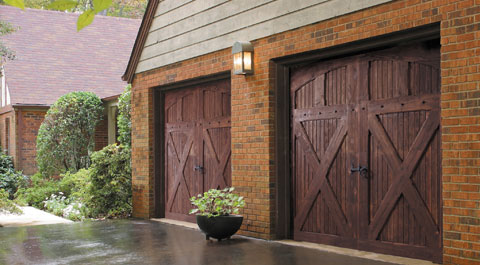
(40, 190)
(66, 137)
(6, 162)
(124, 118)
(110, 190)
(10, 181)
(75, 184)
(6, 205)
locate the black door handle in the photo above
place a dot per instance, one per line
(198, 168)
(362, 169)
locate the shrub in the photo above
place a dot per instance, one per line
(124, 123)
(6, 205)
(110, 189)
(66, 137)
(75, 184)
(10, 181)
(40, 189)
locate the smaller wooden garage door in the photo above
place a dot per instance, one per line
(197, 144)
(381, 112)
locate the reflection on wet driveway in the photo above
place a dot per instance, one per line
(147, 242)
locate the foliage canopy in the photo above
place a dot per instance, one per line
(87, 8)
(66, 137)
(124, 123)
(5, 52)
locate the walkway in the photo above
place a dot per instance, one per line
(30, 216)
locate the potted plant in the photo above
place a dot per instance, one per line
(217, 212)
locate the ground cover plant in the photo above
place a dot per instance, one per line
(6, 205)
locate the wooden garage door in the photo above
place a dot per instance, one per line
(366, 152)
(197, 144)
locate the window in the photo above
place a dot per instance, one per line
(112, 124)
(5, 94)
(7, 136)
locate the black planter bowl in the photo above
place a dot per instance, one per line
(219, 227)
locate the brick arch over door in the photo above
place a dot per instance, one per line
(366, 152)
(197, 144)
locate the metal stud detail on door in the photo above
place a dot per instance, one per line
(197, 144)
(366, 152)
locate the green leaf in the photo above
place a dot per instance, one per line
(62, 5)
(100, 5)
(85, 19)
(16, 3)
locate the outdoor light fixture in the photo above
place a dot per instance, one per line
(242, 58)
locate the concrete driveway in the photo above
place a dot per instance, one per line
(148, 242)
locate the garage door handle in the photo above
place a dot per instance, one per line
(363, 171)
(198, 168)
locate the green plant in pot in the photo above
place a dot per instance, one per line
(217, 212)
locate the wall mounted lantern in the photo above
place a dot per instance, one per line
(242, 58)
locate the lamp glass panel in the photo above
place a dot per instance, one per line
(247, 61)
(237, 62)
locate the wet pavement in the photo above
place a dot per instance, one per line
(148, 242)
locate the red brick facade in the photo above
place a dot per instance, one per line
(28, 123)
(101, 134)
(253, 151)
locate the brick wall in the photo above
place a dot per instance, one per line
(101, 134)
(253, 108)
(29, 122)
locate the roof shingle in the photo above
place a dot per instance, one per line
(52, 58)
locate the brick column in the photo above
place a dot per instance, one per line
(461, 131)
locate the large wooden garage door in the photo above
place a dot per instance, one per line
(197, 144)
(366, 152)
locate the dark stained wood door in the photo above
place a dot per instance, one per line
(323, 144)
(390, 126)
(197, 144)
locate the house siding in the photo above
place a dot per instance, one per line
(184, 29)
(253, 113)
(12, 150)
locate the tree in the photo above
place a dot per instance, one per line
(5, 52)
(124, 123)
(87, 8)
(66, 137)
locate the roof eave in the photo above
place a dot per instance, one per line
(140, 41)
(21, 105)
